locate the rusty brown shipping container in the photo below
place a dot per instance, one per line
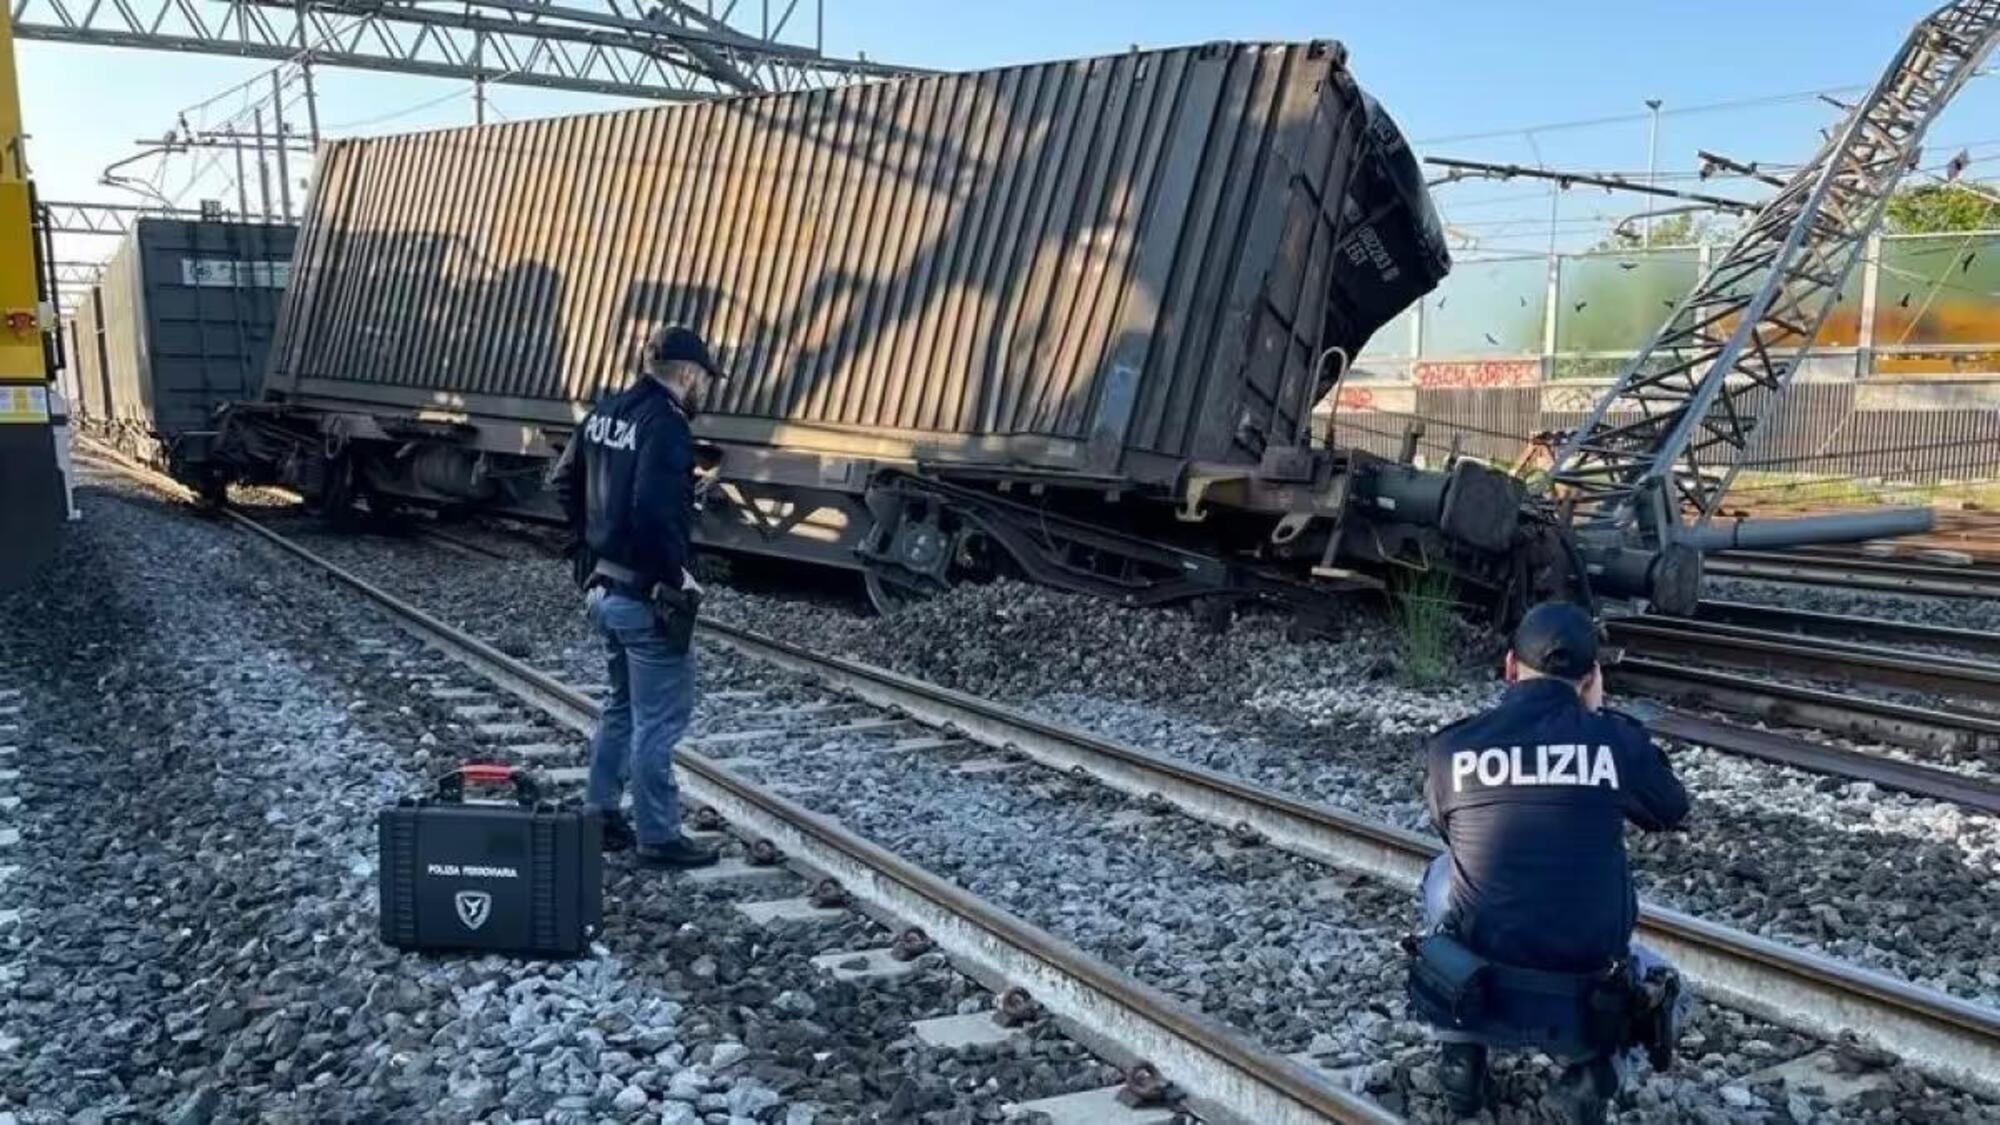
(1115, 266)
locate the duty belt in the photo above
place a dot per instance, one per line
(1450, 986)
(621, 579)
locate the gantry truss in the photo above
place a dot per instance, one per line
(70, 217)
(1662, 447)
(659, 49)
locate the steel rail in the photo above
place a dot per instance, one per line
(1952, 1039)
(1858, 573)
(1842, 626)
(1824, 553)
(1740, 646)
(1782, 749)
(1225, 1074)
(460, 544)
(1859, 716)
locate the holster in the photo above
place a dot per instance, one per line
(1447, 983)
(676, 610)
(1609, 1002)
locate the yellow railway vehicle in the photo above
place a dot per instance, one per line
(32, 506)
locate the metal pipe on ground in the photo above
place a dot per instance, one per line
(1844, 527)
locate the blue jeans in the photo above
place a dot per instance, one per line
(1434, 895)
(651, 700)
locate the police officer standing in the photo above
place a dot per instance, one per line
(1531, 799)
(626, 481)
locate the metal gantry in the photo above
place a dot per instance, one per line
(1662, 447)
(78, 274)
(657, 49)
(72, 217)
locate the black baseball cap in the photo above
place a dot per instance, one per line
(1557, 639)
(679, 342)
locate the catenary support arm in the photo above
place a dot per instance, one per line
(1662, 447)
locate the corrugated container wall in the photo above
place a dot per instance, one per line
(183, 320)
(1059, 263)
(68, 377)
(93, 402)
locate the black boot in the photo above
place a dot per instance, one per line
(1462, 1076)
(1585, 1090)
(616, 833)
(676, 852)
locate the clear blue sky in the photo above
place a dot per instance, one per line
(1450, 72)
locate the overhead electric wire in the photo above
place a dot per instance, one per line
(404, 112)
(1679, 111)
(208, 164)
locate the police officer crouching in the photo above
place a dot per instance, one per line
(1529, 913)
(627, 484)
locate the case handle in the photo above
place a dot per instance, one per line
(451, 786)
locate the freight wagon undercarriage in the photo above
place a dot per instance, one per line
(1293, 529)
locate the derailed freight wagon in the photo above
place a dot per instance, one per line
(1069, 318)
(179, 324)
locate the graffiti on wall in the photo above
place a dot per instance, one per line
(1355, 398)
(1477, 373)
(1934, 310)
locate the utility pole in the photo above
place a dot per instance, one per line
(278, 123)
(312, 105)
(242, 192)
(299, 22)
(263, 170)
(1652, 165)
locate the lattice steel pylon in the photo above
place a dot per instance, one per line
(1662, 447)
(659, 49)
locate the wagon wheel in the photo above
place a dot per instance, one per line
(211, 488)
(337, 496)
(891, 591)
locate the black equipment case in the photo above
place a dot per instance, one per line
(520, 877)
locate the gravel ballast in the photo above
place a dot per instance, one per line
(188, 928)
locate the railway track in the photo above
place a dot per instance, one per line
(1839, 626)
(1952, 1039)
(1224, 1074)
(1858, 572)
(1856, 716)
(1707, 662)
(1675, 659)
(1847, 663)
(1783, 749)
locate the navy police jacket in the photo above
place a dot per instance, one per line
(626, 479)
(1531, 798)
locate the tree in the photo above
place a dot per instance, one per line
(1685, 229)
(1940, 209)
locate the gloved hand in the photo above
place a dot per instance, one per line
(688, 583)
